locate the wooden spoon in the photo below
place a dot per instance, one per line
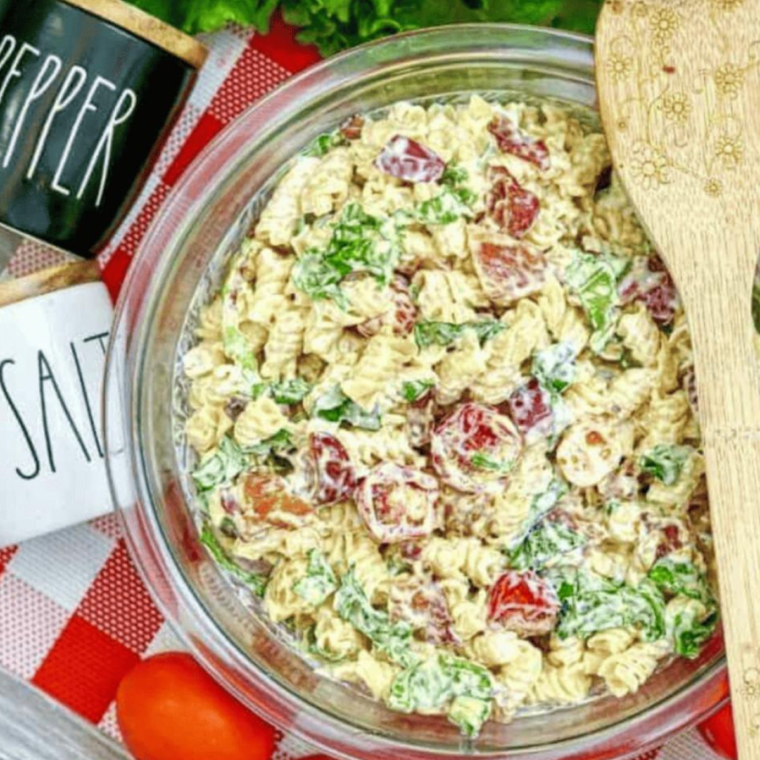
(679, 91)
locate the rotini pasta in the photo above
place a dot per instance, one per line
(447, 383)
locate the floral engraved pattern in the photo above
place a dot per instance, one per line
(676, 107)
(728, 79)
(669, 97)
(650, 167)
(664, 23)
(620, 66)
(729, 151)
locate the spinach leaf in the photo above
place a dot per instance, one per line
(691, 623)
(319, 581)
(354, 607)
(359, 243)
(427, 333)
(665, 463)
(681, 579)
(280, 441)
(446, 207)
(414, 390)
(434, 684)
(594, 281)
(547, 541)
(591, 604)
(220, 466)
(286, 392)
(554, 367)
(335, 406)
(258, 583)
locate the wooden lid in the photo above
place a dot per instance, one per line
(147, 27)
(48, 280)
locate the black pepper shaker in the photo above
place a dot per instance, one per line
(88, 92)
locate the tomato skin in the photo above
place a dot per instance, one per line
(718, 732)
(169, 708)
(411, 161)
(524, 603)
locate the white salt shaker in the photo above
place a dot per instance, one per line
(54, 329)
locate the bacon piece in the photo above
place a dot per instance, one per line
(511, 139)
(507, 270)
(509, 204)
(351, 128)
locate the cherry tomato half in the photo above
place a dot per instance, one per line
(718, 732)
(475, 447)
(169, 708)
(524, 603)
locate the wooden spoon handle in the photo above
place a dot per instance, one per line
(733, 471)
(716, 288)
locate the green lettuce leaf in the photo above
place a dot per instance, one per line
(335, 25)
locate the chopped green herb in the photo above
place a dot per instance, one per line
(355, 608)
(220, 466)
(257, 582)
(665, 463)
(546, 542)
(319, 581)
(591, 604)
(444, 333)
(335, 406)
(414, 390)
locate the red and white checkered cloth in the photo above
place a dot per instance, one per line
(74, 615)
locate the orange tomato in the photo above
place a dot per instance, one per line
(169, 708)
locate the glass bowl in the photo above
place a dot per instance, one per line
(206, 216)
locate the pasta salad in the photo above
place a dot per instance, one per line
(444, 413)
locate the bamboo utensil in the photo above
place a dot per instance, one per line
(679, 92)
